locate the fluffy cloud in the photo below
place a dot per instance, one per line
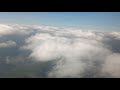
(73, 55)
(14, 30)
(72, 52)
(4, 29)
(116, 35)
(7, 44)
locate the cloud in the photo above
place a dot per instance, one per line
(73, 53)
(4, 29)
(68, 52)
(116, 35)
(14, 30)
(112, 65)
(7, 44)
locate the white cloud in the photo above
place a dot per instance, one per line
(75, 52)
(4, 29)
(73, 55)
(14, 30)
(116, 35)
(7, 44)
(112, 65)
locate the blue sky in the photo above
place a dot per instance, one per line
(85, 20)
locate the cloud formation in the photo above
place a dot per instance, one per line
(7, 44)
(112, 65)
(72, 52)
(14, 29)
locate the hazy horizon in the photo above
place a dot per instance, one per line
(86, 20)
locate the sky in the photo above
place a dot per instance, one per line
(109, 21)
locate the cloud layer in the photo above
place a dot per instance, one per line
(68, 52)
